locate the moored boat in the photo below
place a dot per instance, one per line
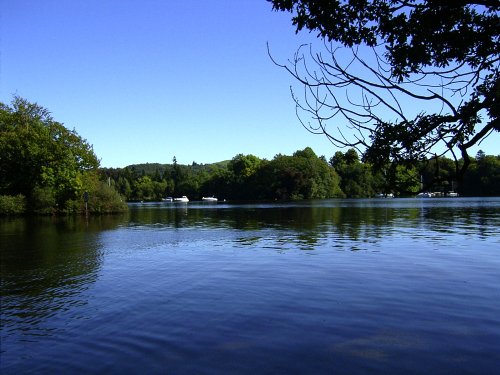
(424, 195)
(381, 195)
(182, 199)
(209, 199)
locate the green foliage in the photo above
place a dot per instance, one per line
(438, 174)
(143, 188)
(35, 151)
(41, 159)
(12, 205)
(244, 166)
(357, 179)
(440, 55)
(105, 199)
(360, 180)
(406, 180)
(302, 175)
(43, 200)
(416, 34)
(245, 177)
(483, 178)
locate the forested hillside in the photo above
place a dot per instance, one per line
(47, 169)
(303, 175)
(245, 177)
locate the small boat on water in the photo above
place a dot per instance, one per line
(209, 199)
(182, 199)
(167, 199)
(424, 195)
(381, 195)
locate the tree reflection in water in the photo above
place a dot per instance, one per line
(305, 224)
(47, 266)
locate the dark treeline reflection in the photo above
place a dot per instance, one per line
(352, 220)
(48, 263)
(66, 252)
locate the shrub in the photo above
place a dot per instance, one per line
(105, 199)
(43, 200)
(12, 205)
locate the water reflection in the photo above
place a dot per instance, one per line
(374, 285)
(47, 264)
(50, 263)
(307, 224)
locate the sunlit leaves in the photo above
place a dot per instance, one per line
(440, 56)
(39, 157)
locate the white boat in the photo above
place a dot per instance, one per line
(424, 195)
(209, 199)
(182, 199)
(452, 194)
(167, 199)
(381, 195)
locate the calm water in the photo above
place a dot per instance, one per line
(323, 287)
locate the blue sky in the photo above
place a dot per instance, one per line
(144, 81)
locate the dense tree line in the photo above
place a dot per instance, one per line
(379, 60)
(438, 174)
(303, 175)
(46, 168)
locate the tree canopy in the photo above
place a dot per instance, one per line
(403, 54)
(43, 161)
(304, 175)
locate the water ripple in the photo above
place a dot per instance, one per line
(353, 286)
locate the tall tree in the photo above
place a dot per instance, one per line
(48, 164)
(356, 178)
(301, 176)
(39, 156)
(384, 58)
(483, 177)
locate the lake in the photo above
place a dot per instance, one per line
(409, 286)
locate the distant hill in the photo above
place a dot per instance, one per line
(150, 169)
